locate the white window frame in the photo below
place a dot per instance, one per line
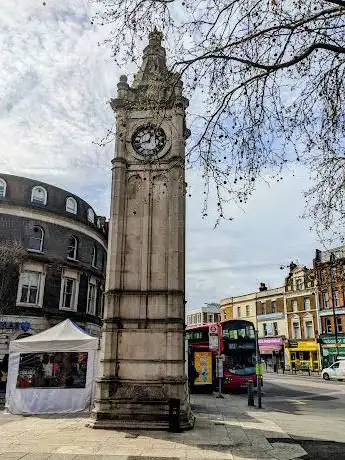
(325, 300)
(275, 330)
(74, 208)
(75, 254)
(32, 267)
(35, 189)
(296, 320)
(335, 298)
(293, 304)
(3, 185)
(338, 319)
(94, 257)
(328, 324)
(40, 250)
(299, 284)
(69, 274)
(308, 303)
(247, 311)
(91, 216)
(308, 318)
(91, 311)
(264, 329)
(239, 312)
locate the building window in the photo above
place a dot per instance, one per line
(339, 325)
(335, 298)
(36, 239)
(71, 205)
(274, 306)
(72, 248)
(325, 299)
(210, 318)
(264, 325)
(275, 328)
(263, 308)
(309, 329)
(334, 273)
(29, 286)
(39, 195)
(306, 303)
(294, 305)
(90, 216)
(328, 326)
(296, 330)
(68, 293)
(299, 284)
(94, 257)
(3, 187)
(247, 310)
(238, 312)
(91, 297)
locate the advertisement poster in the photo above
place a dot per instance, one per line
(52, 370)
(203, 365)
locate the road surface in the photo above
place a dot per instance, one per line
(311, 411)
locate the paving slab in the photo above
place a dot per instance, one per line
(224, 430)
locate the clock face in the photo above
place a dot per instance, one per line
(148, 140)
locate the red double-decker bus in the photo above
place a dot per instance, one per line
(237, 346)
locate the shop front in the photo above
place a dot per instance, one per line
(272, 352)
(303, 354)
(331, 349)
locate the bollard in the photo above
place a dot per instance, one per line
(250, 393)
(174, 415)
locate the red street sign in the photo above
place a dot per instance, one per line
(214, 329)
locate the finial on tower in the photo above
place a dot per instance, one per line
(155, 37)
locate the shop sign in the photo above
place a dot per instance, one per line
(271, 316)
(330, 340)
(333, 351)
(270, 344)
(15, 325)
(302, 344)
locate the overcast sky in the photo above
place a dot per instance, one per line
(54, 86)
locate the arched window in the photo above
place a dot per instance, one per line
(36, 239)
(39, 195)
(72, 248)
(71, 205)
(3, 187)
(94, 256)
(90, 216)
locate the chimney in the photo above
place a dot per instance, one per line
(262, 287)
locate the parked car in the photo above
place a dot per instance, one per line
(335, 371)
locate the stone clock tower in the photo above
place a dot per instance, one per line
(142, 355)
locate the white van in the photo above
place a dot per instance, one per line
(336, 371)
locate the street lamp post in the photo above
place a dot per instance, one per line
(333, 265)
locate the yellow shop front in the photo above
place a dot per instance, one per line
(303, 354)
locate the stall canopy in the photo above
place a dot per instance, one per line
(52, 372)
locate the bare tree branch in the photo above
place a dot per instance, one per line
(267, 81)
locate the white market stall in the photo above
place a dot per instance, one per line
(52, 372)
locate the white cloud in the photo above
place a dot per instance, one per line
(54, 86)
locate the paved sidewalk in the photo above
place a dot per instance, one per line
(225, 430)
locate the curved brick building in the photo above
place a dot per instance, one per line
(52, 259)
